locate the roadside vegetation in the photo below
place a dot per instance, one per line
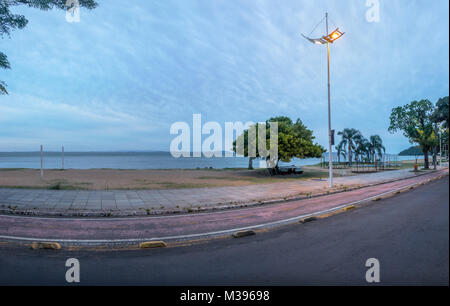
(357, 148)
(423, 123)
(295, 140)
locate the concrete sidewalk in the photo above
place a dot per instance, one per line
(149, 202)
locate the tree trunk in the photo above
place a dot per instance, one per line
(434, 159)
(427, 163)
(250, 163)
(349, 155)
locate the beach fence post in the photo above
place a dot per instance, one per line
(63, 157)
(42, 163)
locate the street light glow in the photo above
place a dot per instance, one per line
(336, 34)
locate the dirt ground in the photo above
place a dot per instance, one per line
(104, 179)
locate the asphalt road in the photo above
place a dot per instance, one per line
(408, 234)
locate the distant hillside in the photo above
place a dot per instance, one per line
(411, 151)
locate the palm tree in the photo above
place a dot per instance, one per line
(376, 145)
(349, 137)
(362, 146)
(340, 151)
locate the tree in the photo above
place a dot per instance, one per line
(245, 142)
(10, 21)
(294, 141)
(340, 152)
(441, 114)
(375, 145)
(415, 121)
(349, 137)
(361, 146)
(434, 143)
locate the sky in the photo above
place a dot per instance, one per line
(119, 78)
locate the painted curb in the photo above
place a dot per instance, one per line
(152, 244)
(241, 234)
(46, 245)
(349, 208)
(309, 219)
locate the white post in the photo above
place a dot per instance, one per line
(63, 157)
(42, 163)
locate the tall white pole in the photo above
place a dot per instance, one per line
(63, 157)
(42, 163)
(330, 159)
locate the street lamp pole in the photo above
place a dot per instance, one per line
(330, 158)
(329, 38)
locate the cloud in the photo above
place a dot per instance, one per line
(125, 73)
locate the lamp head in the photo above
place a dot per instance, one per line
(335, 35)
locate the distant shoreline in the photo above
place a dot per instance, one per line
(135, 160)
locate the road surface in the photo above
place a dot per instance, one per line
(408, 234)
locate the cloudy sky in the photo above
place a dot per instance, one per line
(120, 77)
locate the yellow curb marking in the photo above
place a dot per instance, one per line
(46, 245)
(243, 234)
(152, 244)
(309, 219)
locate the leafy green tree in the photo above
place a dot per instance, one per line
(244, 139)
(441, 114)
(10, 21)
(441, 126)
(415, 121)
(349, 141)
(295, 140)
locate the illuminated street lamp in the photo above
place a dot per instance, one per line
(327, 39)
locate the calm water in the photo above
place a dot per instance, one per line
(130, 160)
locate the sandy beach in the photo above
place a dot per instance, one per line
(107, 179)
